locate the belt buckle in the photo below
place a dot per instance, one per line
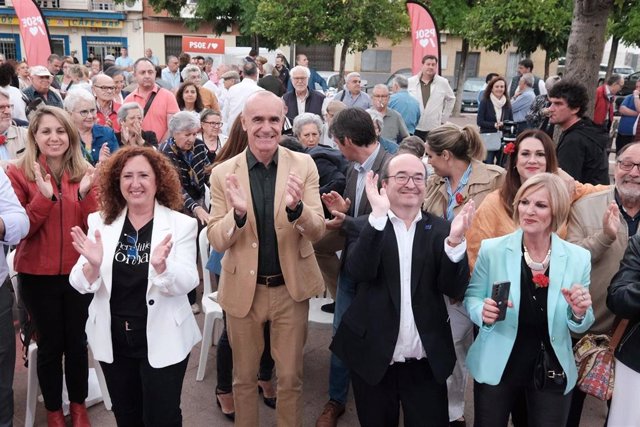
(269, 280)
(126, 326)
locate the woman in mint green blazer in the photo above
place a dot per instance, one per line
(548, 298)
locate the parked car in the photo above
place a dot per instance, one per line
(470, 89)
(402, 71)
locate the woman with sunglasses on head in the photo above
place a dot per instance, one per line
(97, 142)
(55, 185)
(138, 260)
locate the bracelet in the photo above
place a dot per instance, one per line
(576, 317)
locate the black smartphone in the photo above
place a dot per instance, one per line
(500, 294)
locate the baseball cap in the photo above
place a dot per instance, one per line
(39, 70)
(231, 75)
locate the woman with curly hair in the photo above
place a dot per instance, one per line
(188, 97)
(54, 183)
(138, 259)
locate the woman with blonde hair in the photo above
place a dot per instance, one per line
(456, 156)
(528, 351)
(54, 183)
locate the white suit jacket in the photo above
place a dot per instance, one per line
(171, 327)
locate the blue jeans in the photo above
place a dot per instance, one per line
(339, 374)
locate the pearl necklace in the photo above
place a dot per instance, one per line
(538, 266)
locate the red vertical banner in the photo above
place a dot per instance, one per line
(34, 31)
(425, 38)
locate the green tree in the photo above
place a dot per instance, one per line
(220, 13)
(355, 24)
(496, 24)
(623, 26)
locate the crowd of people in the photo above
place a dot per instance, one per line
(449, 252)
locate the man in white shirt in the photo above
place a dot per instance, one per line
(238, 95)
(395, 337)
(171, 73)
(124, 60)
(14, 225)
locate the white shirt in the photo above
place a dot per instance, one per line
(236, 98)
(363, 169)
(16, 221)
(409, 345)
(302, 102)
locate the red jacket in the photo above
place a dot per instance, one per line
(47, 249)
(602, 104)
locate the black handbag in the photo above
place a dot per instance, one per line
(547, 372)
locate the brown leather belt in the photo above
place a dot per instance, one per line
(271, 281)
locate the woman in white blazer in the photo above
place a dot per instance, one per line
(548, 298)
(138, 259)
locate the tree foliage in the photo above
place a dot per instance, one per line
(357, 23)
(529, 25)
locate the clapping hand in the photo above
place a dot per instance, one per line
(378, 199)
(86, 182)
(235, 195)
(160, 253)
(105, 153)
(89, 249)
(461, 223)
(334, 202)
(611, 221)
(578, 298)
(43, 184)
(295, 188)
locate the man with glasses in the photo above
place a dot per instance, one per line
(13, 138)
(355, 136)
(603, 223)
(103, 88)
(393, 126)
(301, 99)
(352, 94)
(41, 89)
(605, 98)
(582, 148)
(395, 337)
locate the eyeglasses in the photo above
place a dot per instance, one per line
(380, 96)
(214, 124)
(86, 113)
(132, 246)
(299, 78)
(627, 166)
(403, 179)
(107, 88)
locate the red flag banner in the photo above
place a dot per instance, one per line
(424, 34)
(34, 31)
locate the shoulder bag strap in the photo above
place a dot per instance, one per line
(149, 102)
(617, 334)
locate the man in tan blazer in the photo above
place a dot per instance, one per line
(266, 215)
(603, 222)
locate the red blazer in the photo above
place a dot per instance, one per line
(602, 104)
(47, 249)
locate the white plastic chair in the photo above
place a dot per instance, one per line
(213, 323)
(96, 393)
